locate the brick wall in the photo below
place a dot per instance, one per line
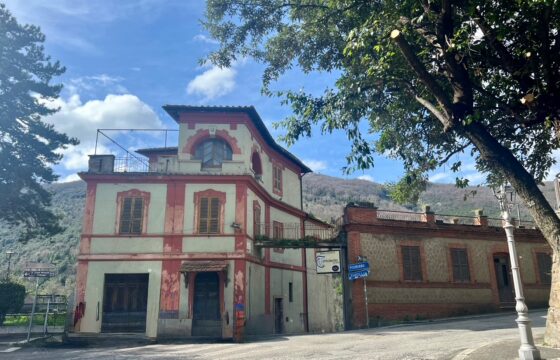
(436, 295)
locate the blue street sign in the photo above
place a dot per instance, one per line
(358, 266)
(358, 274)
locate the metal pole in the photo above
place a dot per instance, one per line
(527, 350)
(33, 309)
(46, 317)
(10, 253)
(367, 305)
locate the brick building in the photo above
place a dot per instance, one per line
(425, 266)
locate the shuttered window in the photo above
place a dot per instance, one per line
(412, 269)
(460, 263)
(276, 178)
(277, 230)
(132, 214)
(545, 267)
(209, 220)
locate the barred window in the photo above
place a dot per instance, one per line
(544, 262)
(209, 215)
(460, 263)
(412, 268)
(132, 214)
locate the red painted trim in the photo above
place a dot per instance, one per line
(190, 285)
(163, 256)
(197, 179)
(81, 281)
(202, 135)
(209, 193)
(179, 211)
(241, 217)
(238, 118)
(430, 285)
(239, 300)
(419, 230)
(169, 208)
(170, 284)
(173, 244)
(89, 210)
(85, 245)
(146, 205)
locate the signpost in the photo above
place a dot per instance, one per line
(37, 271)
(360, 270)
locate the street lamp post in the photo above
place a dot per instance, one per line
(9, 253)
(527, 351)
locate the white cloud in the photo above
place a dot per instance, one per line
(205, 39)
(213, 83)
(81, 120)
(315, 165)
(438, 177)
(69, 178)
(108, 83)
(366, 177)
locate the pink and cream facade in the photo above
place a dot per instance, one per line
(170, 251)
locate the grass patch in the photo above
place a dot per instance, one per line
(38, 319)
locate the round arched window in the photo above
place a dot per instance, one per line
(212, 152)
(256, 164)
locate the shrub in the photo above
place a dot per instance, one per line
(12, 296)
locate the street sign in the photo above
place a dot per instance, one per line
(358, 274)
(38, 270)
(364, 265)
(328, 262)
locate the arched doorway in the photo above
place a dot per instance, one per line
(206, 305)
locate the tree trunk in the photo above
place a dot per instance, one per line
(552, 333)
(502, 160)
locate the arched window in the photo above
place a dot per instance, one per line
(212, 152)
(256, 164)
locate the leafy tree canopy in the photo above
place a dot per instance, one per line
(28, 146)
(433, 78)
(466, 64)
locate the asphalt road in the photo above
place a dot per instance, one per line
(438, 340)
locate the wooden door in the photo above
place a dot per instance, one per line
(278, 316)
(503, 279)
(125, 303)
(206, 307)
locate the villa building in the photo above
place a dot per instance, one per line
(170, 250)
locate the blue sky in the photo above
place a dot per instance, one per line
(125, 59)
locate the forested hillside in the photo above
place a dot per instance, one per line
(323, 196)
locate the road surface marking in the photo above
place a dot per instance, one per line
(9, 350)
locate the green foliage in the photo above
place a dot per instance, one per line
(12, 296)
(479, 77)
(28, 145)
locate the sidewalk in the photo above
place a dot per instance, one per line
(505, 350)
